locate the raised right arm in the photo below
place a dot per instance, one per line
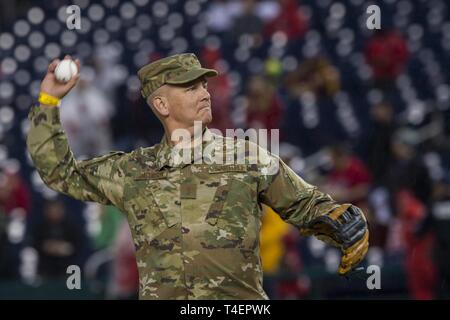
(99, 179)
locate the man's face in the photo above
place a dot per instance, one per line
(189, 102)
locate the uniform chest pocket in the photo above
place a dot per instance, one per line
(234, 196)
(147, 217)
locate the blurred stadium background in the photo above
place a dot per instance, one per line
(364, 114)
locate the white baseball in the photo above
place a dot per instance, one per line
(65, 70)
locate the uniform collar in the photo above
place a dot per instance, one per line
(169, 155)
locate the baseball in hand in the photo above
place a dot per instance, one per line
(65, 70)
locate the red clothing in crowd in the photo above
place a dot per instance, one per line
(353, 174)
(290, 20)
(265, 117)
(387, 54)
(125, 272)
(420, 271)
(14, 194)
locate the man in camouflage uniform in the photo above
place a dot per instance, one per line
(195, 223)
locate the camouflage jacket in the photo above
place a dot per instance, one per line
(195, 226)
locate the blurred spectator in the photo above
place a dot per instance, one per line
(57, 241)
(440, 215)
(310, 89)
(290, 20)
(248, 24)
(220, 90)
(349, 180)
(316, 75)
(14, 209)
(221, 13)
(264, 106)
(125, 277)
(14, 192)
(293, 284)
(104, 62)
(387, 54)
(407, 170)
(378, 141)
(420, 271)
(437, 221)
(411, 188)
(376, 145)
(85, 115)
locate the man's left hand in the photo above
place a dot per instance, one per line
(346, 228)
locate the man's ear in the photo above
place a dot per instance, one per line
(160, 104)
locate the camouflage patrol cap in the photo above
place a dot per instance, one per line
(176, 69)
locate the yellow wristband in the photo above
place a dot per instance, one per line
(49, 100)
